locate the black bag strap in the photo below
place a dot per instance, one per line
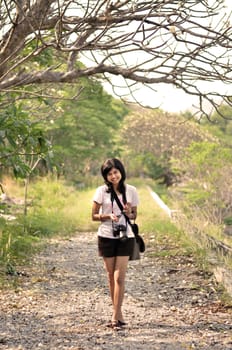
(114, 196)
(135, 230)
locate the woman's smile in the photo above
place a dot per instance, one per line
(114, 176)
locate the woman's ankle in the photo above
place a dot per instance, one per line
(117, 317)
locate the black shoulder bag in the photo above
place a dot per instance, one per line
(134, 226)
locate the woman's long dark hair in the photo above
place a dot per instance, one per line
(106, 168)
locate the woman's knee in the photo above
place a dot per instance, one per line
(119, 279)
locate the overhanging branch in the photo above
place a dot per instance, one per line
(171, 42)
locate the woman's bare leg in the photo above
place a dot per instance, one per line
(116, 268)
(110, 266)
(119, 285)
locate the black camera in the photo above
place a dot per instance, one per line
(120, 230)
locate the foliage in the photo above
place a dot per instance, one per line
(56, 209)
(228, 220)
(16, 247)
(21, 140)
(205, 189)
(155, 142)
(183, 43)
(84, 132)
(71, 135)
(158, 229)
(204, 198)
(207, 156)
(221, 127)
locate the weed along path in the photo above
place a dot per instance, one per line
(62, 302)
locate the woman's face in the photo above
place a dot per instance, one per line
(114, 176)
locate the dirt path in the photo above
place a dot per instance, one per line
(62, 302)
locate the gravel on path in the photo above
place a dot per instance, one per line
(62, 302)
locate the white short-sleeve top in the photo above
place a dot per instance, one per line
(103, 198)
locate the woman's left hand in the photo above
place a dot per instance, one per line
(127, 209)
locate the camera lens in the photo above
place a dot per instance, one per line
(123, 235)
(116, 230)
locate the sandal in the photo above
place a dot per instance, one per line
(116, 325)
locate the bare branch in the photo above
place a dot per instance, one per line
(182, 43)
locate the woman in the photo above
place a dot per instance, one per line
(115, 237)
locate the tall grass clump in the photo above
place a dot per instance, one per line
(59, 209)
(16, 248)
(53, 209)
(158, 228)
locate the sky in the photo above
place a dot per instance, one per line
(172, 99)
(166, 97)
(169, 98)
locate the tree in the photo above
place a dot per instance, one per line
(22, 141)
(180, 42)
(155, 142)
(84, 131)
(209, 188)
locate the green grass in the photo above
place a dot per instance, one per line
(159, 230)
(54, 210)
(59, 210)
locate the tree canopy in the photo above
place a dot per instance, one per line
(155, 142)
(183, 43)
(84, 132)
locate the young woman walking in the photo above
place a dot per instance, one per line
(115, 237)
